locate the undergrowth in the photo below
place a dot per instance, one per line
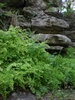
(26, 64)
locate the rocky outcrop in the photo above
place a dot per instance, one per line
(40, 17)
(56, 42)
(32, 11)
(23, 22)
(53, 39)
(41, 22)
(48, 24)
(44, 23)
(71, 35)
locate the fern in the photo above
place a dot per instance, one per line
(26, 64)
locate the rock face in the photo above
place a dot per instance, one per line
(48, 24)
(41, 18)
(23, 22)
(32, 11)
(44, 23)
(70, 34)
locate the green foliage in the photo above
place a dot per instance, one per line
(25, 63)
(70, 52)
(68, 13)
(2, 5)
(21, 63)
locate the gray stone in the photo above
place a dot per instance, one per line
(70, 34)
(48, 24)
(53, 39)
(73, 44)
(32, 11)
(60, 48)
(22, 96)
(23, 22)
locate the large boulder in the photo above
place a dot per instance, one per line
(53, 39)
(48, 24)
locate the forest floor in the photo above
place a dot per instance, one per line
(66, 94)
(60, 95)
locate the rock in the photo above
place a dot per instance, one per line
(70, 34)
(32, 11)
(21, 96)
(60, 48)
(36, 3)
(48, 24)
(73, 44)
(54, 11)
(23, 22)
(53, 39)
(59, 40)
(56, 49)
(51, 10)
